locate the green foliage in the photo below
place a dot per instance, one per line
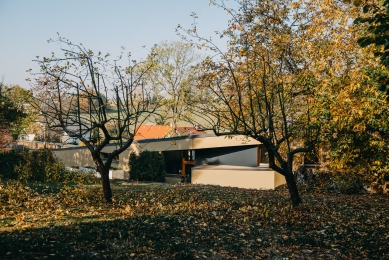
(22, 99)
(9, 111)
(172, 77)
(375, 33)
(9, 161)
(38, 165)
(148, 166)
(354, 127)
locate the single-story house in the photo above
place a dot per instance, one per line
(236, 161)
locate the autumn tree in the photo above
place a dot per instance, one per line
(173, 76)
(281, 57)
(375, 15)
(64, 81)
(351, 112)
(261, 84)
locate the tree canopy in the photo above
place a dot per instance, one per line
(173, 76)
(12, 112)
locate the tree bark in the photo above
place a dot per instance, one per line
(292, 187)
(104, 172)
(106, 186)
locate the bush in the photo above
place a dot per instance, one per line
(348, 182)
(148, 166)
(338, 182)
(36, 165)
(40, 165)
(9, 160)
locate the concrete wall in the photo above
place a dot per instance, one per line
(124, 157)
(234, 176)
(79, 156)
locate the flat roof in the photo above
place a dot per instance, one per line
(195, 142)
(175, 138)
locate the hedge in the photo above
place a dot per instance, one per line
(33, 165)
(148, 166)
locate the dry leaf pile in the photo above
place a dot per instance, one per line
(188, 222)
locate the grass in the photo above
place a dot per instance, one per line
(160, 221)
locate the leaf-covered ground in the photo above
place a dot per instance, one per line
(159, 221)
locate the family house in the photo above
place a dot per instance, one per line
(236, 161)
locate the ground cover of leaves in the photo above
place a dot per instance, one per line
(160, 221)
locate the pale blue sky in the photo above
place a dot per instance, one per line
(100, 25)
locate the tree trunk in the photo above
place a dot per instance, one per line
(292, 187)
(104, 172)
(106, 186)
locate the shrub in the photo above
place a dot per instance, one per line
(40, 165)
(37, 165)
(8, 161)
(348, 182)
(148, 166)
(338, 182)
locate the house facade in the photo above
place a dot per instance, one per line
(235, 161)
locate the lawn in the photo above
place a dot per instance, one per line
(160, 221)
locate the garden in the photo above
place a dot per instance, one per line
(160, 221)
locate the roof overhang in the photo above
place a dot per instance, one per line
(194, 142)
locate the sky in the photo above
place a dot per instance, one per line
(100, 25)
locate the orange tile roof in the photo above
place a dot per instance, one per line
(160, 131)
(152, 131)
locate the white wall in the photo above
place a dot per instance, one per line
(240, 177)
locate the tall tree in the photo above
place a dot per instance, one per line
(173, 76)
(280, 56)
(21, 98)
(65, 81)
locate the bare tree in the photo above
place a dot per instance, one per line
(65, 82)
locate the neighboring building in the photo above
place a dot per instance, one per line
(26, 137)
(161, 131)
(66, 139)
(189, 130)
(152, 132)
(144, 132)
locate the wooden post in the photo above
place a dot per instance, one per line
(183, 167)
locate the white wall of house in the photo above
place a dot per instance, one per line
(237, 176)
